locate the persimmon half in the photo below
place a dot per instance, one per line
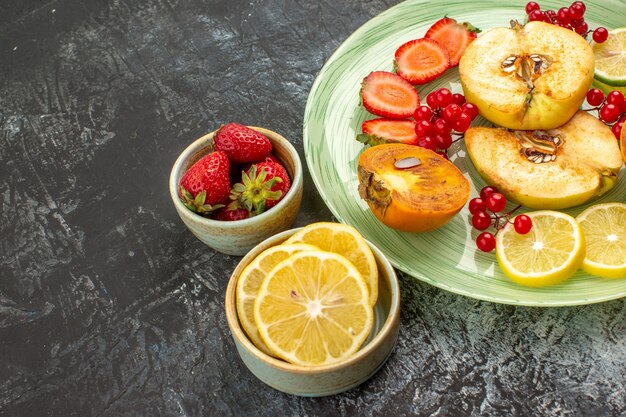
(410, 188)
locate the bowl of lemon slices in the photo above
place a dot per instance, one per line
(314, 311)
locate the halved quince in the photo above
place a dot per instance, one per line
(552, 169)
(411, 188)
(527, 77)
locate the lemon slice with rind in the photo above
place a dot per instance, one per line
(550, 253)
(313, 309)
(610, 58)
(346, 241)
(250, 281)
(604, 227)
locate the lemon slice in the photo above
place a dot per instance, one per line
(552, 251)
(313, 309)
(250, 281)
(610, 58)
(606, 89)
(604, 227)
(346, 241)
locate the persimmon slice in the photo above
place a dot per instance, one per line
(411, 188)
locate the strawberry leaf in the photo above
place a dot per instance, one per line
(471, 28)
(200, 199)
(371, 140)
(254, 191)
(197, 204)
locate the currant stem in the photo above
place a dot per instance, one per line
(506, 216)
(461, 136)
(515, 209)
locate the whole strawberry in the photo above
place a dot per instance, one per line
(262, 187)
(205, 187)
(231, 214)
(268, 158)
(242, 144)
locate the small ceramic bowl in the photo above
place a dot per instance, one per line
(238, 237)
(328, 379)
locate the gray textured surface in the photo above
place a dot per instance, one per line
(109, 307)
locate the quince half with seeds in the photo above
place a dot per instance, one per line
(553, 169)
(527, 77)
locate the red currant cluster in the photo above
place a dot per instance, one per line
(611, 109)
(445, 113)
(571, 17)
(493, 201)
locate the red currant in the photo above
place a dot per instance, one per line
(431, 101)
(617, 129)
(551, 15)
(461, 123)
(582, 28)
(477, 204)
(481, 220)
(443, 140)
(595, 97)
(579, 4)
(496, 202)
(458, 99)
(427, 142)
(451, 112)
(486, 242)
(487, 191)
(470, 109)
(536, 15)
(443, 97)
(600, 35)
(443, 154)
(423, 113)
(576, 11)
(530, 6)
(423, 128)
(609, 113)
(441, 126)
(522, 224)
(615, 97)
(562, 16)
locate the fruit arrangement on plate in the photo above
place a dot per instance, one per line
(543, 151)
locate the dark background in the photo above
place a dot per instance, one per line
(110, 307)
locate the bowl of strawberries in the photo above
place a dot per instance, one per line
(237, 186)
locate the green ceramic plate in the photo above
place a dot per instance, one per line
(446, 258)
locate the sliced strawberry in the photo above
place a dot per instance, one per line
(421, 60)
(377, 131)
(453, 36)
(387, 95)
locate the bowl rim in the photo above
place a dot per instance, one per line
(230, 305)
(202, 142)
